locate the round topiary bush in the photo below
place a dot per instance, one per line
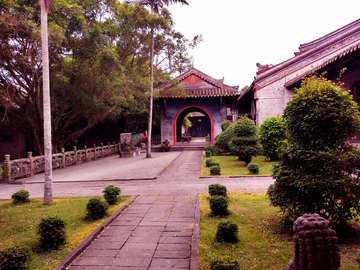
(253, 168)
(215, 169)
(219, 205)
(14, 258)
(20, 196)
(227, 232)
(217, 189)
(208, 162)
(51, 231)
(207, 153)
(111, 194)
(96, 208)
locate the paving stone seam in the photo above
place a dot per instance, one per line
(164, 169)
(86, 243)
(194, 258)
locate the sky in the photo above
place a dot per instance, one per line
(238, 34)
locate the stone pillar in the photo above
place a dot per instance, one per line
(94, 151)
(75, 155)
(7, 169)
(31, 164)
(63, 157)
(86, 156)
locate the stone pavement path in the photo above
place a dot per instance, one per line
(156, 232)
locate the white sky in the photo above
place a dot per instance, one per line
(238, 33)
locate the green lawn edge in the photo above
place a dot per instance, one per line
(18, 224)
(232, 167)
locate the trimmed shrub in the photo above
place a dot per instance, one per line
(215, 170)
(207, 153)
(253, 168)
(245, 142)
(20, 196)
(111, 194)
(96, 208)
(51, 231)
(224, 264)
(210, 148)
(217, 189)
(219, 205)
(208, 162)
(319, 170)
(272, 137)
(227, 232)
(14, 258)
(225, 125)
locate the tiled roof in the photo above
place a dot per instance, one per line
(197, 84)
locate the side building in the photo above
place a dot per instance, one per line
(273, 85)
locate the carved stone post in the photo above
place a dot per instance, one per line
(30, 157)
(63, 157)
(94, 151)
(102, 149)
(7, 169)
(75, 155)
(86, 156)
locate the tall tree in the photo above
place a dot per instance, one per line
(155, 7)
(48, 195)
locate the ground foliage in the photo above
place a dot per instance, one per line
(99, 63)
(272, 137)
(318, 173)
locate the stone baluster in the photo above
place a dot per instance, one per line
(94, 151)
(30, 157)
(102, 149)
(7, 169)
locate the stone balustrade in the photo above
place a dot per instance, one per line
(27, 167)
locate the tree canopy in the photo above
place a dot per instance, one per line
(99, 63)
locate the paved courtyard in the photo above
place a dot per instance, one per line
(160, 229)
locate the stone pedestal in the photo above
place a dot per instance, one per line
(127, 154)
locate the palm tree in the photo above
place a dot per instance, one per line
(155, 7)
(45, 8)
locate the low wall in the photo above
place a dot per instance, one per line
(27, 167)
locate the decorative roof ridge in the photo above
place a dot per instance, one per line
(338, 33)
(301, 55)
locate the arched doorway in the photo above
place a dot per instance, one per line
(206, 127)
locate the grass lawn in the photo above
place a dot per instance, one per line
(18, 225)
(231, 166)
(260, 246)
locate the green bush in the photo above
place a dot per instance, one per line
(224, 264)
(210, 148)
(96, 208)
(51, 231)
(215, 170)
(272, 137)
(223, 139)
(208, 162)
(14, 258)
(207, 153)
(227, 232)
(20, 196)
(225, 125)
(245, 143)
(217, 189)
(219, 205)
(111, 194)
(253, 168)
(207, 138)
(319, 170)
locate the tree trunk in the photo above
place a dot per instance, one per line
(148, 147)
(48, 196)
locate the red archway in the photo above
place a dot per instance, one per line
(201, 108)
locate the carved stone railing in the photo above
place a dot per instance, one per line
(27, 167)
